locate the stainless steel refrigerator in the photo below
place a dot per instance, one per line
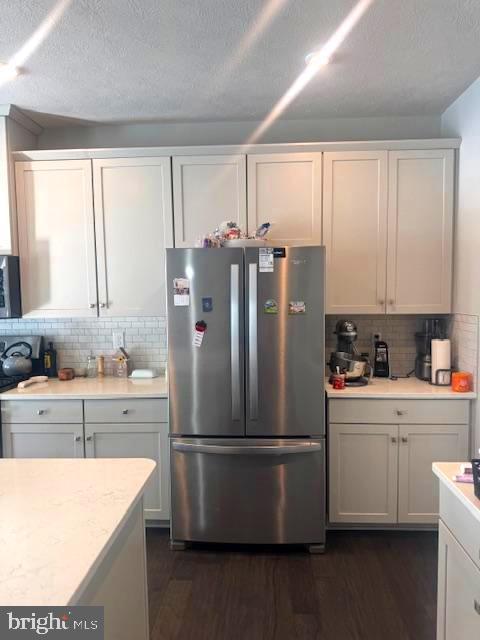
(246, 393)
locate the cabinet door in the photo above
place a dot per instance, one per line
(133, 222)
(56, 238)
(363, 463)
(286, 190)
(136, 441)
(355, 230)
(458, 612)
(420, 447)
(206, 191)
(43, 440)
(420, 231)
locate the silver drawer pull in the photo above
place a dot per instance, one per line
(247, 450)
(394, 440)
(89, 438)
(401, 412)
(125, 411)
(476, 606)
(78, 438)
(404, 440)
(40, 412)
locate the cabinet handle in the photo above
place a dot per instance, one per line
(394, 440)
(89, 438)
(381, 303)
(125, 411)
(102, 305)
(92, 305)
(78, 438)
(391, 302)
(404, 440)
(40, 412)
(401, 412)
(476, 606)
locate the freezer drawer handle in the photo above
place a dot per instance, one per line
(247, 450)
(235, 340)
(252, 341)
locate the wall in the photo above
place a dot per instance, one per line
(159, 134)
(462, 119)
(75, 339)
(398, 331)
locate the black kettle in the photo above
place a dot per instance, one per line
(16, 363)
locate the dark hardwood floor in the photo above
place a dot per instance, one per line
(368, 586)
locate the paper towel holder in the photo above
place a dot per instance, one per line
(447, 379)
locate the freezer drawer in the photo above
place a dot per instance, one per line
(248, 490)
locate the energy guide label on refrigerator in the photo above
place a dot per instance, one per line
(181, 292)
(265, 259)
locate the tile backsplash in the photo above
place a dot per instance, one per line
(398, 331)
(464, 332)
(76, 338)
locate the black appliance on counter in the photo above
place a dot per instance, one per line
(381, 360)
(433, 328)
(10, 300)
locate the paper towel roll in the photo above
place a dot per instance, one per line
(441, 360)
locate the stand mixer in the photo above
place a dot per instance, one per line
(346, 358)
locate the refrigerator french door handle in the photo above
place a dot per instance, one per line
(235, 339)
(266, 450)
(252, 341)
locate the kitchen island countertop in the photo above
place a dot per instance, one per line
(463, 491)
(406, 388)
(60, 517)
(91, 389)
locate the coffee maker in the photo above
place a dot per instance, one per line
(433, 328)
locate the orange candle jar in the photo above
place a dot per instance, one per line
(462, 381)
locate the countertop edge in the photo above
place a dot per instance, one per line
(358, 395)
(115, 533)
(452, 486)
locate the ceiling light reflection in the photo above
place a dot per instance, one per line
(318, 60)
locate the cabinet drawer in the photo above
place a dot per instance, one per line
(378, 411)
(50, 411)
(464, 526)
(128, 410)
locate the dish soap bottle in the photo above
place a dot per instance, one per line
(50, 361)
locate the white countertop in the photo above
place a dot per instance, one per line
(58, 518)
(91, 388)
(464, 492)
(396, 389)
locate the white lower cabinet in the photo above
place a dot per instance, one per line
(138, 428)
(43, 440)
(458, 616)
(363, 473)
(419, 447)
(136, 441)
(382, 473)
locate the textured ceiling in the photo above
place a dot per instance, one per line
(177, 60)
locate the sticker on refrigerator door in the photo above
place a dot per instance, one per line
(270, 306)
(207, 305)
(199, 333)
(265, 259)
(296, 307)
(181, 292)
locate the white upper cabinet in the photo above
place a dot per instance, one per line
(133, 225)
(286, 190)
(206, 191)
(56, 238)
(355, 230)
(420, 222)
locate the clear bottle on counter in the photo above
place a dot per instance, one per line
(91, 370)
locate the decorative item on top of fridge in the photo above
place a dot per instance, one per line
(229, 234)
